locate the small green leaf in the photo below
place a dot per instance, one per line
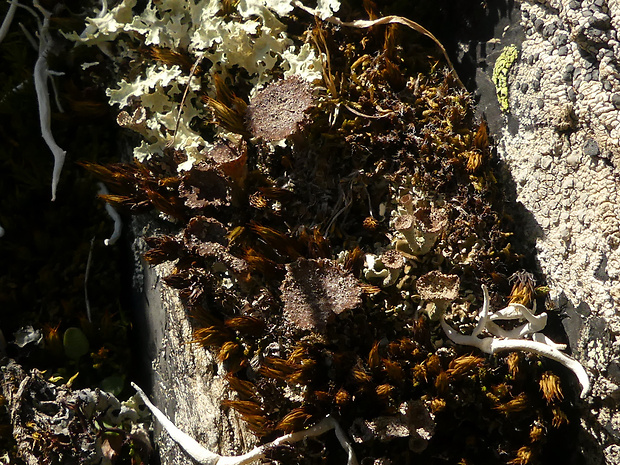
(113, 384)
(75, 343)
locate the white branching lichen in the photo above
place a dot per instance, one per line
(501, 340)
(118, 223)
(8, 19)
(206, 457)
(41, 76)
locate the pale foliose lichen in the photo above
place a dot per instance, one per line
(385, 269)
(417, 223)
(253, 41)
(500, 74)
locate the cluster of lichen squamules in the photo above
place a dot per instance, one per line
(335, 195)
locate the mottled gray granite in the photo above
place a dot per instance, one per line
(561, 145)
(185, 382)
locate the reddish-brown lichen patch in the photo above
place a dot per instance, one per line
(204, 186)
(314, 291)
(230, 158)
(201, 228)
(438, 286)
(206, 237)
(280, 110)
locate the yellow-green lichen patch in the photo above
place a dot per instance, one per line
(500, 74)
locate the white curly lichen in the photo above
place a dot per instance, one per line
(112, 213)
(501, 340)
(41, 75)
(254, 40)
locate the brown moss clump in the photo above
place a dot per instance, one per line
(271, 262)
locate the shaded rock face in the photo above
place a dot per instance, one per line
(559, 140)
(184, 379)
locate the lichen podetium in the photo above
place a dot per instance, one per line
(335, 196)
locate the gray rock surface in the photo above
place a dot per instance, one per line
(186, 384)
(560, 142)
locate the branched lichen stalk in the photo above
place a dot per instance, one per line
(206, 457)
(8, 19)
(118, 223)
(494, 344)
(41, 75)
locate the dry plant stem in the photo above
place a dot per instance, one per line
(205, 457)
(29, 38)
(364, 24)
(8, 19)
(185, 92)
(86, 274)
(52, 75)
(492, 345)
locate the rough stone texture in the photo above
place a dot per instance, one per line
(561, 145)
(186, 383)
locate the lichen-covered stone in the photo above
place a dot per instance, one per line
(563, 157)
